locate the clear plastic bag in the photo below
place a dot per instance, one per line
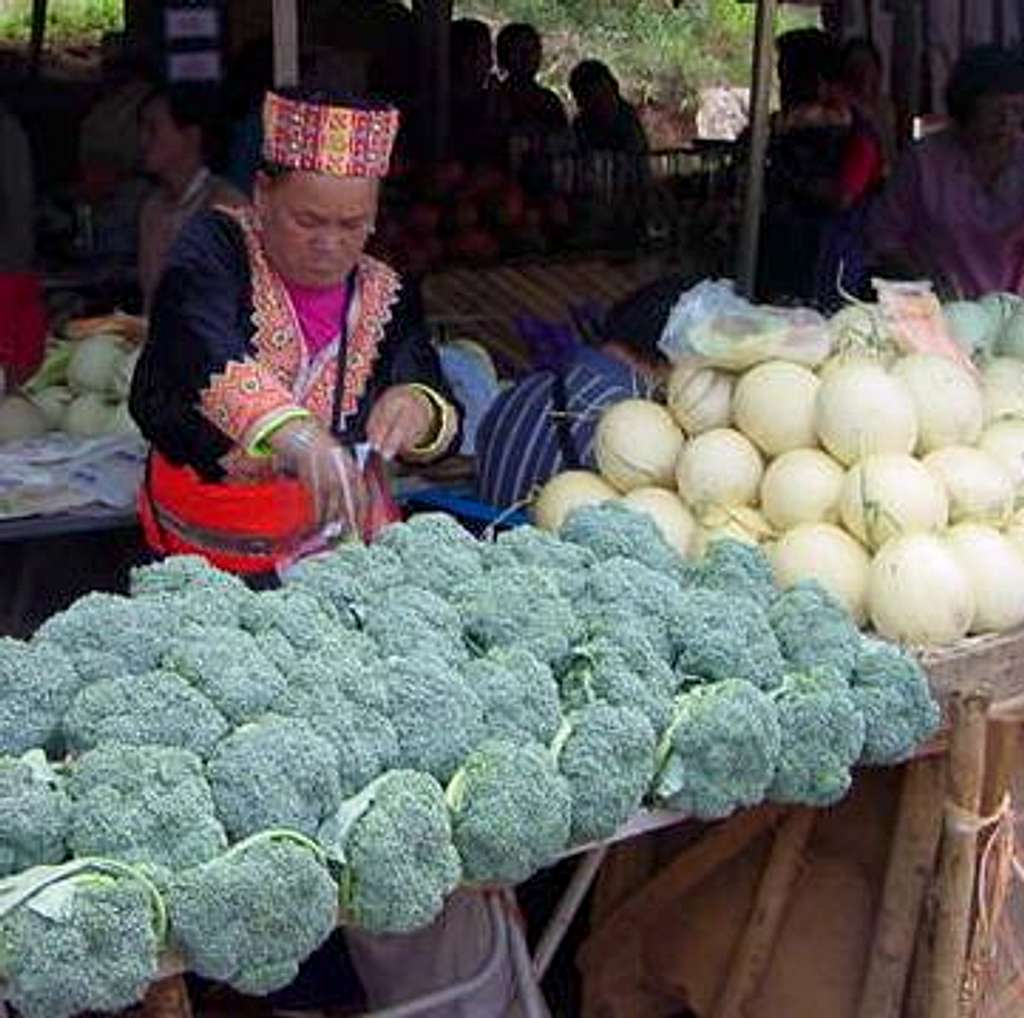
(712, 323)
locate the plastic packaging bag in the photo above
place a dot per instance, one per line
(711, 322)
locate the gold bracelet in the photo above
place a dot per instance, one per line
(445, 425)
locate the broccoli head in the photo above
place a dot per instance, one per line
(275, 772)
(719, 753)
(324, 690)
(435, 711)
(530, 546)
(35, 811)
(107, 636)
(86, 939)
(734, 567)
(228, 667)
(511, 811)
(251, 916)
(194, 591)
(822, 737)
(519, 695)
(622, 596)
(289, 623)
(721, 636)
(622, 673)
(404, 618)
(37, 686)
(393, 846)
(349, 576)
(147, 805)
(521, 606)
(607, 754)
(613, 530)
(814, 630)
(435, 551)
(892, 691)
(155, 709)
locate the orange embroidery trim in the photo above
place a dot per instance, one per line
(241, 397)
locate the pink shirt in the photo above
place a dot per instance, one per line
(936, 209)
(320, 311)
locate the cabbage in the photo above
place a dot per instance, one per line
(672, 518)
(700, 398)
(95, 363)
(919, 594)
(885, 496)
(774, 407)
(720, 468)
(89, 416)
(803, 486)
(827, 554)
(566, 492)
(637, 445)
(862, 409)
(947, 398)
(53, 402)
(972, 325)
(994, 565)
(20, 419)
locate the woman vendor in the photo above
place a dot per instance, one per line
(279, 353)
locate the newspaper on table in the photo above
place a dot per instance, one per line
(58, 474)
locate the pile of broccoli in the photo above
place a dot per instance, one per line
(227, 773)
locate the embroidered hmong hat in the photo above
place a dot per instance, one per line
(314, 133)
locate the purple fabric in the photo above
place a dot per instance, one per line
(936, 210)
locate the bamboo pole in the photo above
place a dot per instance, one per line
(686, 871)
(959, 852)
(1003, 758)
(754, 951)
(919, 990)
(286, 42)
(915, 844)
(760, 112)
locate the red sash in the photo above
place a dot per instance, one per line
(244, 528)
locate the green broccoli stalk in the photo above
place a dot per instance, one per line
(80, 937)
(822, 732)
(392, 848)
(35, 810)
(720, 752)
(251, 916)
(607, 755)
(519, 695)
(626, 673)
(733, 567)
(156, 709)
(37, 685)
(815, 631)
(511, 811)
(721, 637)
(275, 772)
(150, 806)
(892, 691)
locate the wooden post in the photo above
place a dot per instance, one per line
(286, 42)
(760, 126)
(959, 852)
(40, 10)
(915, 843)
(754, 952)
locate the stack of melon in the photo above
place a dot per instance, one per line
(892, 480)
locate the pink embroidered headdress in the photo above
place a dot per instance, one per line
(320, 138)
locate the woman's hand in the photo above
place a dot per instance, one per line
(401, 419)
(325, 469)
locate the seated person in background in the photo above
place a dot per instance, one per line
(861, 83)
(605, 122)
(472, 109)
(171, 129)
(545, 423)
(525, 107)
(954, 209)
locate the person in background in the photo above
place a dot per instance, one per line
(861, 73)
(954, 209)
(172, 135)
(546, 422)
(605, 122)
(524, 106)
(472, 108)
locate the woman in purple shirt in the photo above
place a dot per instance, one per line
(954, 210)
